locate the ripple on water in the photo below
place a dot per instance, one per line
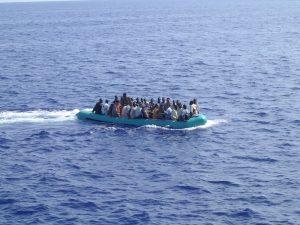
(80, 205)
(256, 159)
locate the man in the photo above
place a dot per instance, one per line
(105, 108)
(196, 106)
(132, 110)
(125, 100)
(184, 113)
(98, 107)
(116, 109)
(125, 111)
(138, 111)
(168, 113)
(174, 112)
(167, 104)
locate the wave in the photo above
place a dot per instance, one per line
(37, 116)
(209, 123)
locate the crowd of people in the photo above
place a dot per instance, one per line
(163, 108)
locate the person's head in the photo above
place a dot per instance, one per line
(175, 107)
(134, 105)
(116, 98)
(184, 106)
(151, 100)
(163, 99)
(100, 100)
(195, 101)
(168, 99)
(106, 101)
(137, 100)
(191, 102)
(124, 95)
(158, 100)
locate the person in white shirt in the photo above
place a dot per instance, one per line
(105, 108)
(138, 111)
(132, 110)
(196, 106)
(125, 111)
(174, 114)
(168, 113)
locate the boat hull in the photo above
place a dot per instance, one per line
(192, 122)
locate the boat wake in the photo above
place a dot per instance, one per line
(44, 116)
(37, 116)
(209, 123)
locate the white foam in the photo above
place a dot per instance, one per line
(37, 116)
(209, 123)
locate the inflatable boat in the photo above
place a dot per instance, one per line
(192, 122)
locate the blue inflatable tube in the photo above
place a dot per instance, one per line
(192, 122)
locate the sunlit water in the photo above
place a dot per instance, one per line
(240, 59)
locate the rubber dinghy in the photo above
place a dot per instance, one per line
(192, 122)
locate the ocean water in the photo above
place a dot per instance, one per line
(240, 59)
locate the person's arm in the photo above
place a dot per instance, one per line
(94, 109)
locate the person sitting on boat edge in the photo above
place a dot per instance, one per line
(196, 106)
(193, 109)
(184, 113)
(116, 110)
(168, 113)
(174, 114)
(105, 108)
(125, 111)
(98, 107)
(138, 111)
(145, 114)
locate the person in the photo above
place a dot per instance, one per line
(196, 106)
(163, 102)
(132, 110)
(105, 108)
(184, 113)
(116, 109)
(98, 107)
(179, 111)
(167, 104)
(137, 101)
(151, 104)
(168, 113)
(174, 114)
(125, 111)
(125, 100)
(138, 111)
(155, 111)
(161, 112)
(145, 114)
(192, 108)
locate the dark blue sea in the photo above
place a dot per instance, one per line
(240, 59)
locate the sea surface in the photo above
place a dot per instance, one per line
(240, 59)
